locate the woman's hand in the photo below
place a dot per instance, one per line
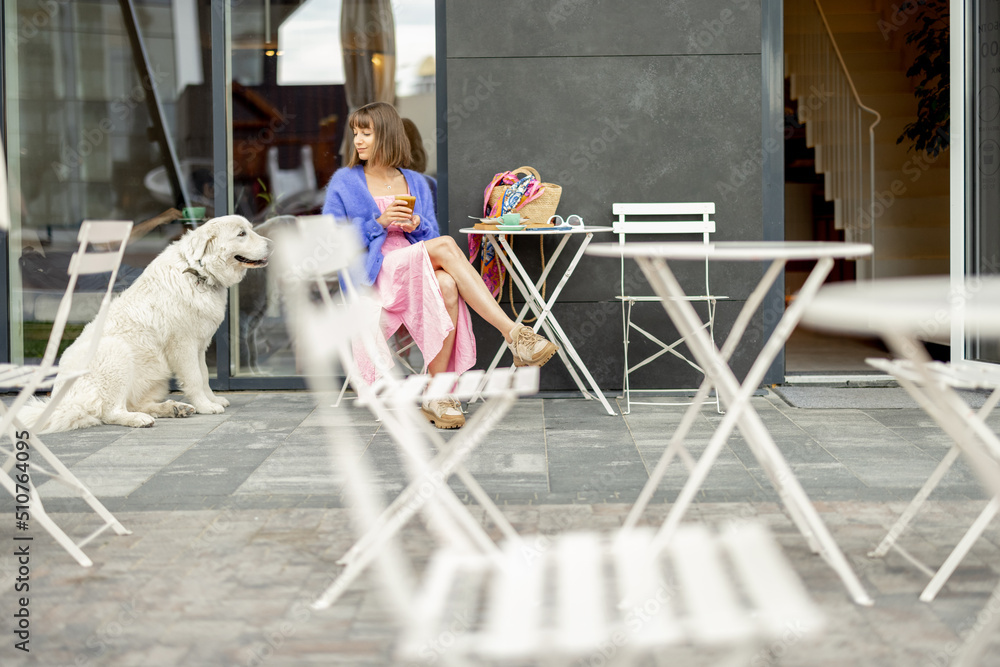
(396, 214)
(409, 225)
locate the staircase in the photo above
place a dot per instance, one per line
(906, 214)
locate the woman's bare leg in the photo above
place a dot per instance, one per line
(449, 291)
(446, 256)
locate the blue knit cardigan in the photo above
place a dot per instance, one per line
(348, 198)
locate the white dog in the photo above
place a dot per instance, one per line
(159, 327)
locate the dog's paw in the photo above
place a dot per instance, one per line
(224, 402)
(133, 419)
(209, 409)
(182, 409)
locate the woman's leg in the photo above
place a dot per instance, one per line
(446, 256)
(445, 412)
(528, 348)
(449, 291)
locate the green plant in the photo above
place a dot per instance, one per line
(930, 131)
(264, 194)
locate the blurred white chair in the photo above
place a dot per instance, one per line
(924, 382)
(324, 332)
(288, 182)
(20, 465)
(581, 597)
(647, 220)
(565, 597)
(316, 227)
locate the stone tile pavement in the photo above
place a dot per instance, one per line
(238, 520)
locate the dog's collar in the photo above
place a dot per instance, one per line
(200, 279)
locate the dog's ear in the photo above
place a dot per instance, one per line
(202, 241)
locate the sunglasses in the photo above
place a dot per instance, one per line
(571, 221)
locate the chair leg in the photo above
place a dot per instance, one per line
(64, 475)
(343, 390)
(940, 578)
(38, 514)
(914, 507)
(627, 326)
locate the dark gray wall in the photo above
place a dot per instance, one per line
(614, 101)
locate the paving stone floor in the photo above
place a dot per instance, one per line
(237, 521)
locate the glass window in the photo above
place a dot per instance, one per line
(90, 126)
(984, 121)
(98, 128)
(299, 68)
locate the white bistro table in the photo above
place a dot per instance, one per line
(653, 259)
(541, 307)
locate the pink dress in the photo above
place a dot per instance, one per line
(411, 297)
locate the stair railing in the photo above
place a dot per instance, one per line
(835, 120)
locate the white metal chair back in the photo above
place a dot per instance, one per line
(325, 332)
(322, 233)
(112, 237)
(86, 260)
(676, 218)
(563, 597)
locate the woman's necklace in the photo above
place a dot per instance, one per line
(385, 182)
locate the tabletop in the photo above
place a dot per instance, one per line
(535, 231)
(921, 306)
(733, 250)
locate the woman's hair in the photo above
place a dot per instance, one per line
(391, 147)
(418, 156)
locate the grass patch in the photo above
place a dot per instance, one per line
(36, 337)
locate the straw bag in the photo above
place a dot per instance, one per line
(537, 206)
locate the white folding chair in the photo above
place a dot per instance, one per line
(584, 596)
(20, 466)
(656, 219)
(922, 382)
(324, 332)
(316, 227)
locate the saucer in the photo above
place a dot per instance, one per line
(509, 228)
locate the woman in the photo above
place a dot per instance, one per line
(424, 279)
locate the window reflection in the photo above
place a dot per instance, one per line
(86, 140)
(298, 71)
